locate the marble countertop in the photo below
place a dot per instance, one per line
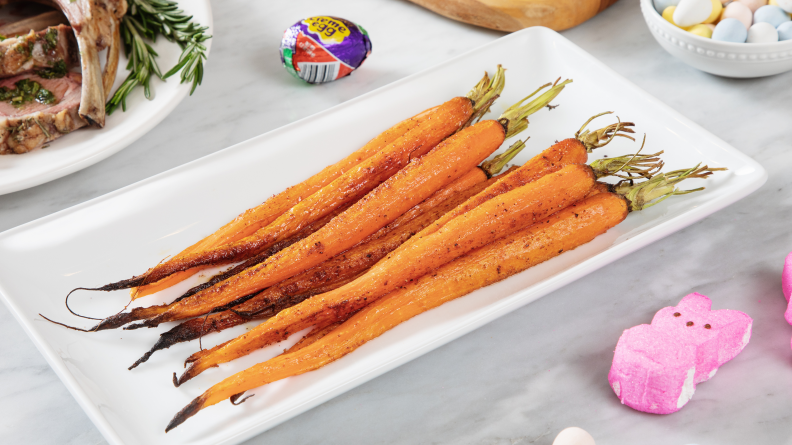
(526, 376)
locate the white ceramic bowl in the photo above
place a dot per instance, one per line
(721, 58)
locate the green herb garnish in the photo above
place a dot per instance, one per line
(145, 20)
(55, 71)
(51, 39)
(23, 48)
(26, 91)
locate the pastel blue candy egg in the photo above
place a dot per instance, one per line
(785, 31)
(661, 5)
(771, 14)
(730, 30)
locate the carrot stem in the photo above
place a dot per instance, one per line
(515, 118)
(494, 166)
(661, 187)
(603, 136)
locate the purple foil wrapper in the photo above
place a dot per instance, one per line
(323, 49)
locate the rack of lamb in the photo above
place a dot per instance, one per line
(42, 96)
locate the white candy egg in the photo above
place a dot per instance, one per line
(762, 33)
(692, 12)
(574, 436)
(739, 11)
(786, 5)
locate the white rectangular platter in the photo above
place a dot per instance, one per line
(125, 232)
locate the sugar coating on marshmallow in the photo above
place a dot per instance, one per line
(786, 286)
(656, 367)
(786, 277)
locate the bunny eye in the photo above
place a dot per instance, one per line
(677, 314)
(690, 323)
(707, 326)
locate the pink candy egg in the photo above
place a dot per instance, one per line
(739, 11)
(753, 5)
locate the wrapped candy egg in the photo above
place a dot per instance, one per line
(323, 49)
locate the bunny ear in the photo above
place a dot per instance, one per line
(695, 302)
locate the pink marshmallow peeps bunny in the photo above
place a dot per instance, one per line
(656, 367)
(786, 285)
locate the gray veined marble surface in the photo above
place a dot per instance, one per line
(526, 376)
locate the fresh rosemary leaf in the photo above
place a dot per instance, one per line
(144, 21)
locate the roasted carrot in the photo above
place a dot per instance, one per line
(565, 230)
(415, 136)
(569, 151)
(349, 187)
(420, 179)
(486, 223)
(142, 313)
(315, 334)
(328, 275)
(189, 332)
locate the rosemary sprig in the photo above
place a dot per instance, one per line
(144, 21)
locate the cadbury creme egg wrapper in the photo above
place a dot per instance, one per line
(323, 49)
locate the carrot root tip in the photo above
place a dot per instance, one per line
(233, 399)
(188, 411)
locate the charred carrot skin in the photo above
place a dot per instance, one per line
(565, 230)
(475, 176)
(351, 263)
(599, 187)
(328, 275)
(486, 223)
(260, 216)
(143, 313)
(349, 187)
(551, 160)
(450, 160)
(567, 152)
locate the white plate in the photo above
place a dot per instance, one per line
(124, 232)
(88, 146)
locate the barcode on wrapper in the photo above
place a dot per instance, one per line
(318, 72)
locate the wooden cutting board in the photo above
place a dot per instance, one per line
(513, 15)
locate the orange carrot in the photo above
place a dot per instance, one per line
(407, 133)
(349, 187)
(569, 151)
(262, 215)
(328, 275)
(565, 230)
(486, 223)
(420, 179)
